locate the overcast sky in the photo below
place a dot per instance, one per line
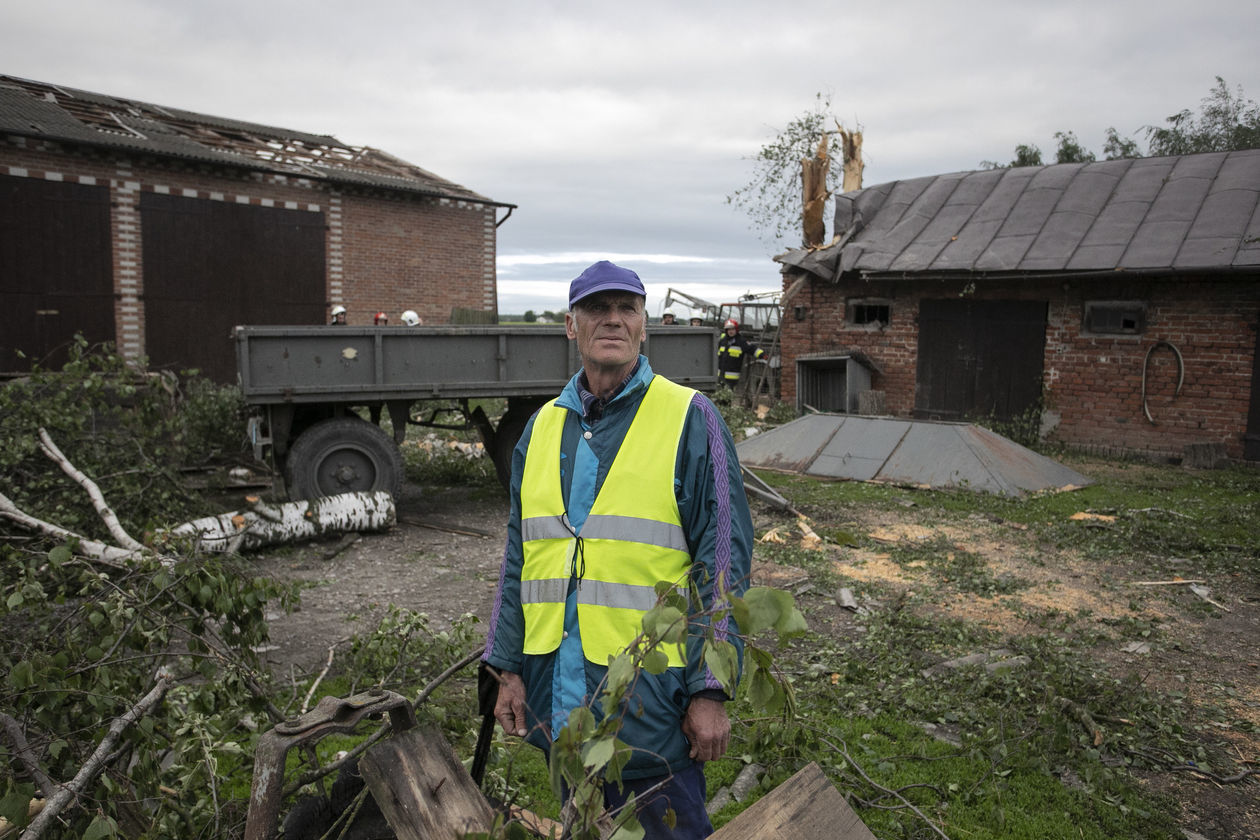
(618, 130)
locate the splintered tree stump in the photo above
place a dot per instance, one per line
(422, 788)
(805, 807)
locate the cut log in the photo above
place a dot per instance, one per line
(423, 790)
(263, 524)
(805, 807)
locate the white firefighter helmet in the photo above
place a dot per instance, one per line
(410, 318)
(338, 310)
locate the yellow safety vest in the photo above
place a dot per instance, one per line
(632, 538)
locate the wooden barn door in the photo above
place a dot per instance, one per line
(56, 271)
(979, 358)
(1251, 440)
(211, 265)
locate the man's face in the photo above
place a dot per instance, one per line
(667, 319)
(608, 328)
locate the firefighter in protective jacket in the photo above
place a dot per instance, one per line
(732, 347)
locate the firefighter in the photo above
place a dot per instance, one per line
(381, 319)
(732, 347)
(339, 315)
(411, 318)
(669, 317)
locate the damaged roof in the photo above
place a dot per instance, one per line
(76, 117)
(1161, 214)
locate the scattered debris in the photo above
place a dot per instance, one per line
(901, 533)
(1090, 516)
(1205, 593)
(993, 661)
(940, 733)
(1137, 647)
(845, 599)
(1174, 582)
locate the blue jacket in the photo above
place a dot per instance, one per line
(715, 517)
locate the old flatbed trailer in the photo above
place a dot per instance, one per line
(305, 384)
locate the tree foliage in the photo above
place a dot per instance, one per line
(772, 198)
(1227, 121)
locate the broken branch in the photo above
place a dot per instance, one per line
(67, 794)
(99, 552)
(18, 739)
(106, 513)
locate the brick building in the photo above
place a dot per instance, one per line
(160, 229)
(1116, 302)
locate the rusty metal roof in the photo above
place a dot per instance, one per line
(76, 117)
(1163, 214)
(913, 452)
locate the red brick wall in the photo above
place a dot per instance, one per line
(429, 256)
(385, 252)
(1092, 384)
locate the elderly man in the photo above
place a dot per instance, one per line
(624, 479)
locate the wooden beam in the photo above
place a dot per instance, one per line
(805, 807)
(423, 790)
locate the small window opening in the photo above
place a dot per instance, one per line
(1115, 317)
(867, 312)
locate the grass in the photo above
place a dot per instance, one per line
(1026, 767)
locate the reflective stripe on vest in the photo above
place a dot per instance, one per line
(632, 538)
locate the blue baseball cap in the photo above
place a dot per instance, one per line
(604, 276)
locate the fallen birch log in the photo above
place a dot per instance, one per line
(263, 524)
(260, 525)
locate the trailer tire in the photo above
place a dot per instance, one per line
(342, 455)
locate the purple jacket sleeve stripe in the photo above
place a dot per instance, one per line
(498, 605)
(722, 543)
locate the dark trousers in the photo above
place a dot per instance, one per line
(683, 793)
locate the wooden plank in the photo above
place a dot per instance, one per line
(423, 790)
(805, 807)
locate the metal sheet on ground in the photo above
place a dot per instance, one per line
(858, 448)
(918, 452)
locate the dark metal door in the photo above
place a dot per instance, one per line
(979, 358)
(211, 265)
(56, 273)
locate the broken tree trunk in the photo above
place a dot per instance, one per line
(851, 142)
(263, 524)
(814, 194)
(260, 525)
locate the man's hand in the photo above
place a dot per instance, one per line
(509, 709)
(707, 728)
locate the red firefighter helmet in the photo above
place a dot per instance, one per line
(731, 324)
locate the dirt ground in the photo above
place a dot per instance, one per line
(443, 558)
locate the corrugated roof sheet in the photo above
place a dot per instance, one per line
(65, 115)
(916, 452)
(1189, 212)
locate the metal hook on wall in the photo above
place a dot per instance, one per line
(1181, 374)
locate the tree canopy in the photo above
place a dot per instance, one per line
(772, 198)
(1227, 120)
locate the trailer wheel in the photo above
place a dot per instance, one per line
(342, 455)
